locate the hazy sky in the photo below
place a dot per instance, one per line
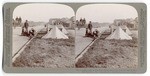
(106, 12)
(42, 12)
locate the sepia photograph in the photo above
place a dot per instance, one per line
(82, 37)
(106, 36)
(43, 36)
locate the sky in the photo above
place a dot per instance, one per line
(42, 12)
(91, 12)
(105, 12)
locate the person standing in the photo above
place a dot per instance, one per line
(19, 20)
(16, 18)
(90, 27)
(84, 21)
(26, 25)
(22, 32)
(86, 32)
(78, 24)
(81, 21)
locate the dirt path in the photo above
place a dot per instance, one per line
(84, 51)
(24, 45)
(83, 43)
(50, 53)
(18, 40)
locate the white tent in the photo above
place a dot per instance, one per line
(55, 33)
(124, 28)
(119, 34)
(61, 28)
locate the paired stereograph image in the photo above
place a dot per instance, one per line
(56, 36)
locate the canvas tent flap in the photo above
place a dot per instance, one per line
(62, 29)
(126, 30)
(123, 27)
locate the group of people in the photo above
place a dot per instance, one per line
(80, 23)
(89, 32)
(17, 21)
(25, 32)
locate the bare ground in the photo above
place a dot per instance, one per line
(110, 54)
(49, 53)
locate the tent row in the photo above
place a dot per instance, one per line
(59, 32)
